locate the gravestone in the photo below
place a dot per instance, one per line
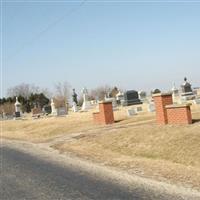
(119, 97)
(139, 109)
(74, 107)
(142, 95)
(151, 107)
(17, 114)
(86, 104)
(197, 101)
(46, 109)
(17, 108)
(131, 98)
(175, 91)
(131, 112)
(53, 108)
(186, 89)
(62, 111)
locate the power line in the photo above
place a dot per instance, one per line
(48, 27)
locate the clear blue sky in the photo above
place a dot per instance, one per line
(128, 44)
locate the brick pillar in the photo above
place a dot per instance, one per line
(106, 111)
(162, 100)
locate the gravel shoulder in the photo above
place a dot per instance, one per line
(44, 152)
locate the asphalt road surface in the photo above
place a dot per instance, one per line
(27, 177)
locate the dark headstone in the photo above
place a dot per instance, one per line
(17, 114)
(74, 97)
(131, 98)
(47, 109)
(186, 86)
(187, 93)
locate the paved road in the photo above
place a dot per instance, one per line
(26, 177)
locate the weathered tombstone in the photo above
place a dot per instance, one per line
(142, 95)
(139, 109)
(175, 91)
(61, 111)
(47, 109)
(17, 108)
(151, 107)
(187, 93)
(131, 98)
(74, 107)
(131, 112)
(120, 97)
(86, 104)
(196, 101)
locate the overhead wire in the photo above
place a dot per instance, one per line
(47, 28)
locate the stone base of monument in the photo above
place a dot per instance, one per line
(86, 106)
(17, 114)
(131, 112)
(196, 101)
(187, 96)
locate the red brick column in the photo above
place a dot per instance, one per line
(162, 100)
(179, 114)
(105, 115)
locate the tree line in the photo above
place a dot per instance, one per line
(31, 96)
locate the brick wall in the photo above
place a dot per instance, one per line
(179, 114)
(105, 114)
(167, 113)
(162, 100)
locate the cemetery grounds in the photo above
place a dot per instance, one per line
(136, 144)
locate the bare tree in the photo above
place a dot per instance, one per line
(22, 89)
(100, 92)
(7, 108)
(62, 90)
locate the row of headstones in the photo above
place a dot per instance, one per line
(125, 99)
(136, 110)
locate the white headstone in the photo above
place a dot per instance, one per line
(196, 101)
(86, 104)
(131, 112)
(17, 105)
(151, 107)
(74, 107)
(53, 108)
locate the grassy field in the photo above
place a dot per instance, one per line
(137, 144)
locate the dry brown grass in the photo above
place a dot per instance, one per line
(40, 130)
(137, 144)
